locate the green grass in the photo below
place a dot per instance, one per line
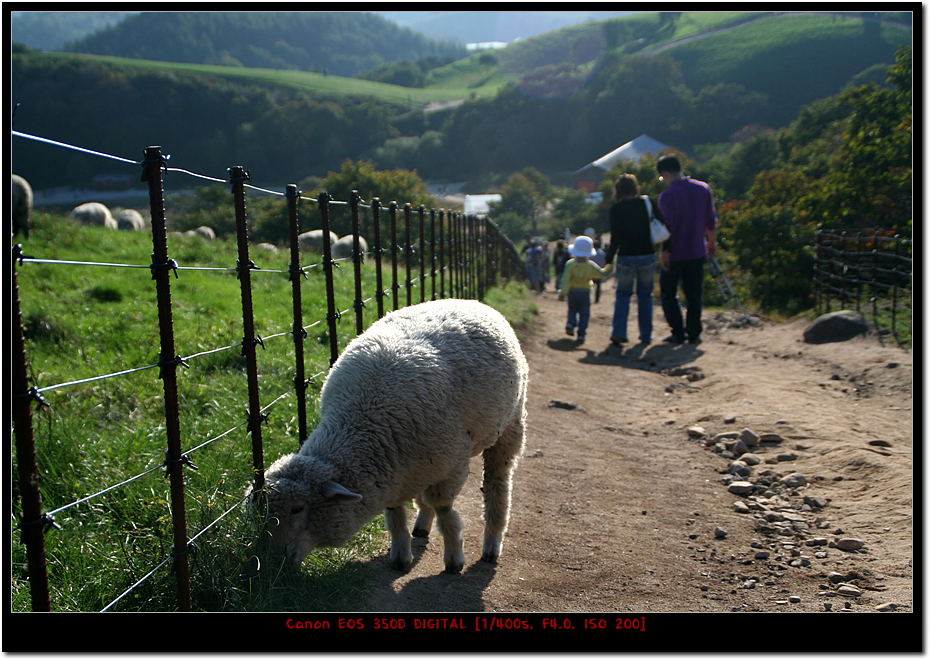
(776, 49)
(304, 81)
(84, 321)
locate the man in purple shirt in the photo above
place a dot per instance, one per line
(688, 208)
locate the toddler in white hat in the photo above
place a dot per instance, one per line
(577, 280)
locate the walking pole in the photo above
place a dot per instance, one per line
(717, 272)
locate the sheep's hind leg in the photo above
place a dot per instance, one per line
(425, 516)
(440, 497)
(499, 463)
(395, 519)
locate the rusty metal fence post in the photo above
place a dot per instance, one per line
(407, 252)
(169, 362)
(421, 211)
(32, 519)
(244, 267)
(300, 382)
(442, 254)
(331, 314)
(357, 262)
(376, 229)
(392, 212)
(432, 253)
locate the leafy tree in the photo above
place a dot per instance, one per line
(524, 195)
(401, 186)
(776, 250)
(871, 183)
(844, 163)
(574, 210)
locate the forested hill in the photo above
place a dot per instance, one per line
(339, 43)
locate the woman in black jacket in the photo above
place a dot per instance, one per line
(631, 242)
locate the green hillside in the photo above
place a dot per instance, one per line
(794, 59)
(685, 78)
(340, 43)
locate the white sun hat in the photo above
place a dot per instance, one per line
(582, 247)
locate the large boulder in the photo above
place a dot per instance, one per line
(836, 326)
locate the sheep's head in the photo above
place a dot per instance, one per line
(303, 508)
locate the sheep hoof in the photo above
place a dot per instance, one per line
(454, 569)
(421, 532)
(402, 565)
(489, 557)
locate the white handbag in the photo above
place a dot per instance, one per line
(657, 229)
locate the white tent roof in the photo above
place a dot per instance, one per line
(478, 204)
(633, 150)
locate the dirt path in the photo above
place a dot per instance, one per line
(616, 506)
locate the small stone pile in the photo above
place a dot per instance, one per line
(737, 321)
(778, 500)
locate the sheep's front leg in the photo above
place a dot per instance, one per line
(450, 526)
(395, 519)
(440, 497)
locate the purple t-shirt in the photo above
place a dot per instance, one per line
(688, 209)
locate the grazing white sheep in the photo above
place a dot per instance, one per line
(93, 213)
(130, 220)
(206, 232)
(403, 409)
(312, 241)
(342, 249)
(270, 248)
(22, 206)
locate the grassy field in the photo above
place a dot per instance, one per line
(84, 321)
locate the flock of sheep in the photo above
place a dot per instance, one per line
(405, 407)
(97, 214)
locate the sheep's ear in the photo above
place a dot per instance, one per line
(332, 490)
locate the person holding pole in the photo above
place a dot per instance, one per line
(688, 209)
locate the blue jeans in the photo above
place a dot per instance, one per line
(642, 269)
(579, 310)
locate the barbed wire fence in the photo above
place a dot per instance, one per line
(870, 270)
(462, 257)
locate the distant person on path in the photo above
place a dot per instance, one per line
(559, 259)
(576, 285)
(688, 209)
(536, 259)
(631, 242)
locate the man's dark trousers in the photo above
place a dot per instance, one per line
(690, 273)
